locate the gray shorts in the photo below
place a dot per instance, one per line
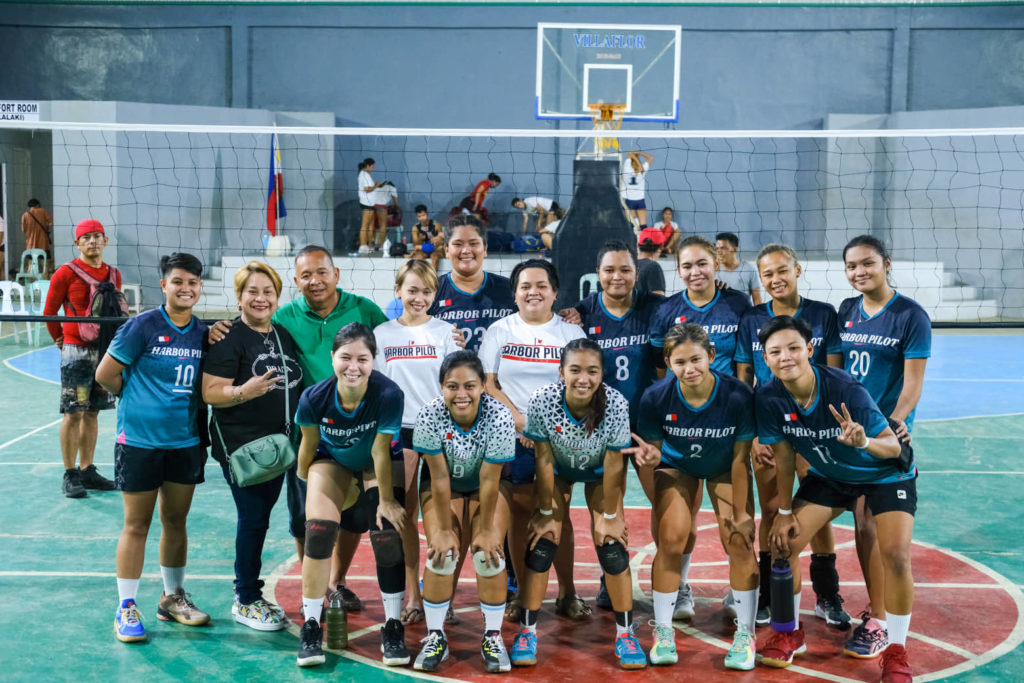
(78, 388)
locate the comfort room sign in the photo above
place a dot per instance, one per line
(19, 111)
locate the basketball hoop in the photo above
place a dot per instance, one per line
(606, 117)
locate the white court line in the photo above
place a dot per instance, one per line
(965, 417)
(971, 379)
(28, 434)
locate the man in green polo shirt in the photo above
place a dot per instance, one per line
(314, 318)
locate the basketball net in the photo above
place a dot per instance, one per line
(607, 117)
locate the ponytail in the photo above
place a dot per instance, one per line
(598, 408)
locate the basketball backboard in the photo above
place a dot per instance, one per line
(579, 65)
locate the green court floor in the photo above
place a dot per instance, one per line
(57, 590)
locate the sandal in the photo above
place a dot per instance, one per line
(513, 608)
(451, 617)
(573, 607)
(412, 615)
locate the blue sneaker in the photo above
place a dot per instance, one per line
(128, 623)
(524, 649)
(629, 652)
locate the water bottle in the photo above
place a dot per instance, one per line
(783, 618)
(337, 625)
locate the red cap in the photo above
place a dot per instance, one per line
(87, 226)
(654, 235)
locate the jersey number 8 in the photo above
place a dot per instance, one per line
(621, 368)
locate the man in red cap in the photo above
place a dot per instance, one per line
(81, 398)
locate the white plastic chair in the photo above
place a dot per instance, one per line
(136, 292)
(8, 289)
(30, 268)
(36, 292)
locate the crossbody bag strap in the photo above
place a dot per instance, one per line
(284, 365)
(220, 437)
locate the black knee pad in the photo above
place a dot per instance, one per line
(321, 535)
(613, 557)
(543, 554)
(387, 547)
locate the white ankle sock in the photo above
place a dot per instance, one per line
(746, 607)
(684, 569)
(392, 604)
(493, 615)
(796, 611)
(311, 608)
(898, 625)
(173, 577)
(664, 605)
(127, 589)
(435, 613)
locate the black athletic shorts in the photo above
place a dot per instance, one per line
(895, 496)
(146, 469)
(362, 516)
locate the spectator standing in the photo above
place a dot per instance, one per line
(634, 187)
(81, 398)
(372, 217)
(739, 275)
(37, 224)
(650, 278)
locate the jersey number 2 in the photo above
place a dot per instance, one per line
(860, 362)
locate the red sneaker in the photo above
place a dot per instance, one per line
(780, 648)
(895, 667)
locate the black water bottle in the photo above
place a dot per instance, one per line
(337, 624)
(783, 618)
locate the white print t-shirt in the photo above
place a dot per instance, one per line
(533, 202)
(525, 357)
(411, 358)
(365, 181)
(383, 195)
(634, 184)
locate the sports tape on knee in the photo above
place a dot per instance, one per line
(539, 559)
(387, 547)
(321, 535)
(484, 569)
(613, 557)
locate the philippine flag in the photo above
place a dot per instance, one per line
(849, 323)
(163, 339)
(328, 420)
(558, 429)
(595, 330)
(446, 302)
(671, 417)
(275, 190)
(448, 436)
(789, 417)
(680, 319)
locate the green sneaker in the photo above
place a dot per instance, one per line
(663, 651)
(743, 652)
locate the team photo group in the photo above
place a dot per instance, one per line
(480, 407)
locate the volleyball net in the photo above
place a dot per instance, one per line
(949, 203)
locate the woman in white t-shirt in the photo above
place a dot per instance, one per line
(634, 186)
(520, 354)
(371, 216)
(410, 350)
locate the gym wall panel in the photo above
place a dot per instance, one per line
(152, 64)
(962, 68)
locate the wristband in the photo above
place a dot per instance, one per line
(865, 446)
(611, 516)
(546, 513)
(783, 511)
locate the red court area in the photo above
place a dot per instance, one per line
(950, 633)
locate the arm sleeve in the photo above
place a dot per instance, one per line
(426, 437)
(744, 341)
(917, 340)
(769, 430)
(393, 404)
(128, 343)
(223, 358)
(304, 414)
(649, 423)
(833, 344)
(490, 350)
(536, 428)
(55, 296)
(501, 446)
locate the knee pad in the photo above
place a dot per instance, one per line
(321, 535)
(446, 565)
(543, 554)
(387, 547)
(484, 569)
(613, 557)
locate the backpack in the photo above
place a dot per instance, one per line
(105, 300)
(527, 243)
(398, 249)
(499, 242)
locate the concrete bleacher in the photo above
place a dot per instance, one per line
(927, 282)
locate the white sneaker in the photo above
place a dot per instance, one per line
(684, 603)
(729, 605)
(364, 249)
(260, 615)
